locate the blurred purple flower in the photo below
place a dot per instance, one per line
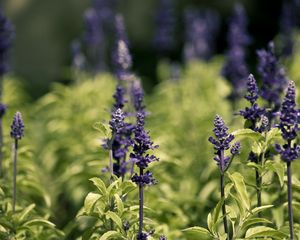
(6, 38)
(164, 40)
(235, 69)
(17, 127)
(200, 31)
(273, 76)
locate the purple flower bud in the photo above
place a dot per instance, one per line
(17, 127)
(145, 179)
(142, 236)
(137, 95)
(119, 97)
(117, 121)
(235, 149)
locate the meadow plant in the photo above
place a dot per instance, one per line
(290, 150)
(16, 133)
(235, 69)
(221, 142)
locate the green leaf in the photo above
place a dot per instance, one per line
(263, 231)
(277, 168)
(240, 187)
(253, 221)
(247, 133)
(100, 185)
(39, 222)
(216, 212)
(272, 135)
(26, 211)
(115, 218)
(198, 233)
(209, 223)
(119, 203)
(103, 128)
(127, 187)
(90, 201)
(259, 209)
(110, 235)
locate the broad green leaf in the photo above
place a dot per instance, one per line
(119, 203)
(100, 185)
(263, 231)
(115, 218)
(247, 133)
(277, 168)
(216, 211)
(90, 201)
(127, 187)
(257, 148)
(209, 223)
(240, 187)
(272, 135)
(110, 235)
(259, 209)
(252, 221)
(198, 233)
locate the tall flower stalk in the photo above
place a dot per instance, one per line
(16, 133)
(290, 150)
(221, 143)
(6, 37)
(257, 121)
(141, 158)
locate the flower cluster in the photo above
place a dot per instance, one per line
(273, 76)
(222, 143)
(165, 24)
(137, 95)
(6, 37)
(200, 33)
(253, 113)
(142, 143)
(235, 69)
(289, 126)
(121, 56)
(17, 127)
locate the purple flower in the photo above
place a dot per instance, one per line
(6, 37)
(119, 97)
(235, 69)
(200, 32)
(289, 114)
(3, 109)
(121, 56)
(165, 24)
(162, 237)
(254, 112)
(273, 76)
(17, 127)
(117, 121)
(287, 25)
(222, 142)
(137, 95)
(145, 179)
(78, 58)
(142, 236)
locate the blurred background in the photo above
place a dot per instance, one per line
(45, 30)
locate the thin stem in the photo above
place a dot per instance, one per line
(15, 152)
(224, 206)
(111, 165)
(258, 189)
(141, 205)
(290, 207)
(1, 146)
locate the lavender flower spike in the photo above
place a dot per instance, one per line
(121, 56)
(17, 127)
(17, 132)
(222, 143)
(273, 76)
(235, 69)
(289, 151)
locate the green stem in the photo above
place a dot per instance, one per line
(222, 186)
(15, 152)
(290, 207)
(141, 205)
